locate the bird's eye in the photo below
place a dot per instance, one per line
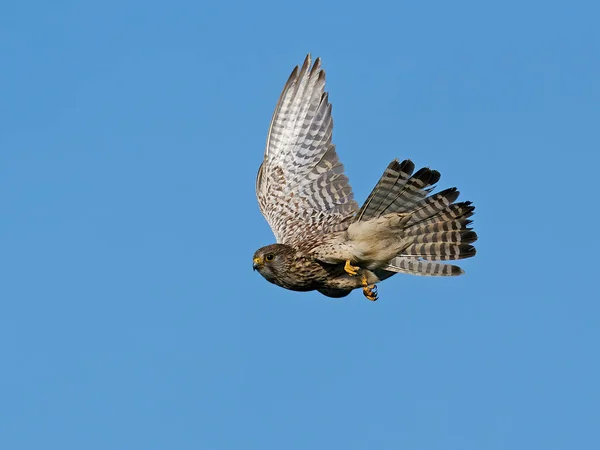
(269, 257)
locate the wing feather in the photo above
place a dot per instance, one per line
(301, 187)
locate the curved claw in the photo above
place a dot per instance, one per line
(369, 290)
(350, 269)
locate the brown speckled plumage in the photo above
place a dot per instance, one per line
(306, 198)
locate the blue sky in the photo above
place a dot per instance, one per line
(130, 136)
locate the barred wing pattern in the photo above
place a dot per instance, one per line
(438, 227)
(301, 187)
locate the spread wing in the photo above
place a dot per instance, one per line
(301, 187)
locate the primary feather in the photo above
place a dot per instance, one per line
(301, 187)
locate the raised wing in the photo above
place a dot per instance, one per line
(301, 187)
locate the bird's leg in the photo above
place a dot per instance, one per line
(350, 269)
(369, 290)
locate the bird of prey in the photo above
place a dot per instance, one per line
(324, 241)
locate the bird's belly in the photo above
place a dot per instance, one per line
(376, 250)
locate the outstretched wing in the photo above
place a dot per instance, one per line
(301, 187)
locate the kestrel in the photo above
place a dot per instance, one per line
(324, 241)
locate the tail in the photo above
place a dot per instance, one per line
(435, 229)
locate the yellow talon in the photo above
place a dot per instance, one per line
(350, 269)
(369, 290)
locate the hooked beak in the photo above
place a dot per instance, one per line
(256, 262)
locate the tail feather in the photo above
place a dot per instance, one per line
(448, 237)
(439, 251)
(455, 212)
(386, 190)
(414, 190)
(433, 227)
(437, 227)
(397, 191)
(442, 234)
(433, 204)
(413, 266)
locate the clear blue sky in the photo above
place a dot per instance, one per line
(130, 317)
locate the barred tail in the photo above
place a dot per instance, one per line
(442, 236)
(413, 266)
(435, 228)
(398, 190)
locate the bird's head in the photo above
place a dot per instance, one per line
(272, 261)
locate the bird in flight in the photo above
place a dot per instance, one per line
(325, 242)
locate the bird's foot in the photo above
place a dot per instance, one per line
(350, 269)
(369, 290)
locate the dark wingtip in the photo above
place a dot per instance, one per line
(421, 173)
(467, 251)
(292, 76)
(407, 166)
(395, 165)
(456, 271)
(450, 194)
(306, 61)
(427, 176)
(468, 237)
(466, 209)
